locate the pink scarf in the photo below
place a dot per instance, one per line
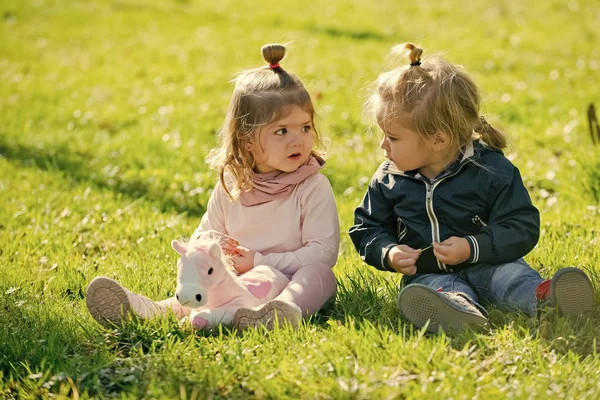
(279, 185)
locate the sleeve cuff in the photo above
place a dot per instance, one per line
(384, 258)
(481, 247)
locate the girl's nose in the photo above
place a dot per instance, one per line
(295, 138)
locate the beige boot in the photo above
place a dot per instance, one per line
(274, 312)
(109, 302)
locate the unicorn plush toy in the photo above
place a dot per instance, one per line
(207, 284)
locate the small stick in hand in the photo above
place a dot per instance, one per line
(428, 247)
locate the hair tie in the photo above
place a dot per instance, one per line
(273, 66)
(484, 123)
(415, 63)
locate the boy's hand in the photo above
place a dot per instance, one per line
(452, 251)
(243, 259)
(402, 259)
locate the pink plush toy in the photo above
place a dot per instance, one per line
(207, 284)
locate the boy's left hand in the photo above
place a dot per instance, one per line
(452, 251)
(243, 259)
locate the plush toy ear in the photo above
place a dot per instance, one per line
(215, 250)
(178, 247)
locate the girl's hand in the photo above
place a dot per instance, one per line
(243, 259)
(403, 258)
(452, 251)
(228, 245)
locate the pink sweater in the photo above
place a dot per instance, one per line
(286, 234)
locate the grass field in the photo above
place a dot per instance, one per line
(107, 110)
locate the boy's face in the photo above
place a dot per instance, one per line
(403, 146)
(285, 144)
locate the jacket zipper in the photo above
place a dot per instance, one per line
(435, 227)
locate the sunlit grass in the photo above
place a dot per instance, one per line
(107, 110)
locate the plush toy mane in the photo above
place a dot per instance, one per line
(203, 242)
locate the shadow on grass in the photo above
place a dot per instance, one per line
(365, 296)
(42, 348)
(77, 166)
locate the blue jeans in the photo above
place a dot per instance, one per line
(509, 287)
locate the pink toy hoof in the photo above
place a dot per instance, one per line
(200, 323)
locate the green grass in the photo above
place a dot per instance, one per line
(107, 110)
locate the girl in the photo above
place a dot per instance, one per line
(448, 210)
(271, 205)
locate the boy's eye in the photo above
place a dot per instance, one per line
(281, 131)
(306, 128)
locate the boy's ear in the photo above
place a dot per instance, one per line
(441, 140)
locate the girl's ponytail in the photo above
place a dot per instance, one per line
(492, 136)
(273, 53)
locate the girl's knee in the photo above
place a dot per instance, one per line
(317, 274)
(320, 269)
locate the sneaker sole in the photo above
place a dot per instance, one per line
(107, 301)
(420, 304)
(572, 293)
(275, 312)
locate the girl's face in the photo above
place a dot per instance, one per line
(285, 144)
(407, 149)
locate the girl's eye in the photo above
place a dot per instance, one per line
(392, 139)
(281, 131)
(210, 271)
(306, 128)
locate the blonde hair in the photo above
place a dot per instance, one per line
(260, 96)
(437, 96)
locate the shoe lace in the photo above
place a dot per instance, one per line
(462, 301)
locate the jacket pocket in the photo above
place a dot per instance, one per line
(478, 222)
(401, 229)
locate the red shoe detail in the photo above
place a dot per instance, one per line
(440, 289)
(543, 290)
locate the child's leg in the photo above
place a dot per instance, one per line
(510, 287)
(441, 300)
(309, 289)
(173, 305)
(108, 302)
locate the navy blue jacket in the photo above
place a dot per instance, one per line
(480, 197)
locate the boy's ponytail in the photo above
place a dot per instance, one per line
(415, 54)
(492, 136)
